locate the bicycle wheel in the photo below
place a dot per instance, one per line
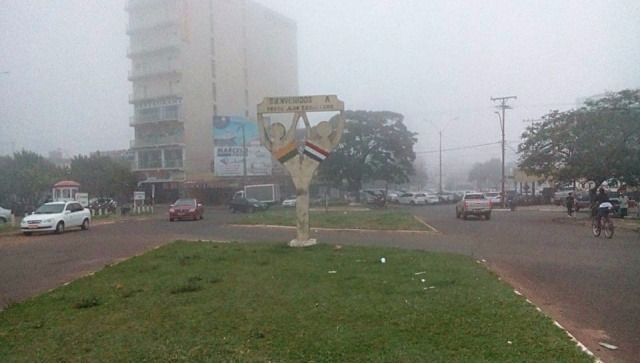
(608, 228)
(595, 229)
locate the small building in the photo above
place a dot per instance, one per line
(65, 191)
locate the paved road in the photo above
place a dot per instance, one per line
(590, 285)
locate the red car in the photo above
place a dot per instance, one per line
(186, 208)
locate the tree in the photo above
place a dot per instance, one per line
(26, 179)
(487, 174)
(376, 145)
(594, 143)
(100, 176)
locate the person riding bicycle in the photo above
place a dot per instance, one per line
(604, 206)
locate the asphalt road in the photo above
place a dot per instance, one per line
(590, 285)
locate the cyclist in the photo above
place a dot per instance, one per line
(604, 206)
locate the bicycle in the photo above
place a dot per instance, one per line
(606, 223)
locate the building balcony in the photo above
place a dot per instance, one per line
(136, 75)
(135, 27)
(157, 142)
(136, 5)
(164, 46)
(138, 120)
(139, 97)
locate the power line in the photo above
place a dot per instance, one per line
(457, 148)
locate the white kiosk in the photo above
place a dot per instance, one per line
(65, 191)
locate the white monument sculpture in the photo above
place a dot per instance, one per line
(320, 141)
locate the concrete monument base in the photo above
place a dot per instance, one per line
(296, 243)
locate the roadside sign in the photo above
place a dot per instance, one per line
(83, 199)
(325, 103)
(138, 196)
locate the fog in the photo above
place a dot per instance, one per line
(431, 61)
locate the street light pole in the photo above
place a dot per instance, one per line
(440, 132)
(503, 106)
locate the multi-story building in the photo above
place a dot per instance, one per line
(193, 60)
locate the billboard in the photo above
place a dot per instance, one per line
(229, 132)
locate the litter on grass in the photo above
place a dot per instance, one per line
(420, 273)
(333, 272)
(383, 260)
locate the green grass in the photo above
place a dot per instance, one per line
(273, 303)
(384, 219)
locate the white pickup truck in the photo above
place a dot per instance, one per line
(474, 204)
(56, 217)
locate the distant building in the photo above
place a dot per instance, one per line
(60, 157)
(193, 60)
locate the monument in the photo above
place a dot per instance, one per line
(301, 162)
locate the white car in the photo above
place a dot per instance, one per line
(432, 199)
(289, 202)
(56, 217)
(5, 216)
(494, 197)
(411, 198)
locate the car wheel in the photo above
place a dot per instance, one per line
(27, 233)
(464, 215)
(457, 215)
(202, 216)
(60, 227)
(170, 219)
(85, 224)
(2, 221)
(487, 216)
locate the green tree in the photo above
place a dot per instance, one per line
(100, 176)
(487, 174)
(26, 179)
(594, 143)
(376, 145)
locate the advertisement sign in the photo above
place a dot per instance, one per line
(229, 133)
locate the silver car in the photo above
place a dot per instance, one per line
(5, 216)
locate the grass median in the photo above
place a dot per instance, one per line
(201, 301)
(380, 219)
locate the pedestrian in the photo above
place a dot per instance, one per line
(624, 205)
(570, 202)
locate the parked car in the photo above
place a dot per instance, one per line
(411, 198)
(186, 208)
(494, 197)
(583, 200)
(56, 217)
(290, 201)
(392, 197)
(5, 216)
(474, 204)
(561, 195)
(432, 198)
(247, 205)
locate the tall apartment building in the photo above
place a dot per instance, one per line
(192, 60)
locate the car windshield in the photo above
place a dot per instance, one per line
(420, 195)
(474, 196)
(185, 202)
(50, 209)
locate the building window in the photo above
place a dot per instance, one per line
(149, 159)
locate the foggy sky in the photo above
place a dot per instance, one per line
(431, 61)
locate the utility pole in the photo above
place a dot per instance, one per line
(503, 105)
